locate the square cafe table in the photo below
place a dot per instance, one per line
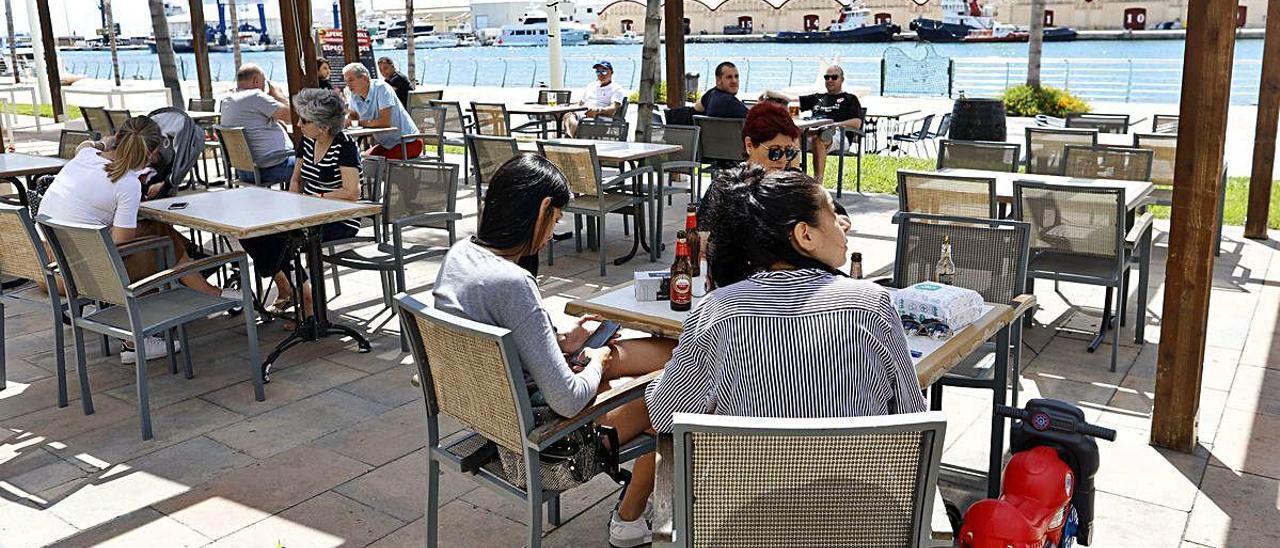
(252, 211)
(17, 164)
(1135, 192)
(538, 110)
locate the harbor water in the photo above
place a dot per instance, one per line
(1138, 71)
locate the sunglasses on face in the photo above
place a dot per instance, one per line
(777, 153)
(925, 327)
(602, 71)
(830, 77)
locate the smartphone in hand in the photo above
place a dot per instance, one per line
(600, 337)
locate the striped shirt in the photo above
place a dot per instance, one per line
(798, 344)
(325, 175)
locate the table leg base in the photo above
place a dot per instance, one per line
(309, 331)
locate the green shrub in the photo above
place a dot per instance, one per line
(1023, 100)
(660, 95)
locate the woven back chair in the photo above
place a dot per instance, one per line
(1107, 162)
(424, 98)
(561, 96)
(200, 105)
(748, 481)
(579, 164)
(1046, 147)
(455, 121)
(491, 119)
(721, 140)
(22, 255)
(1104, 123)
(943, 194)
(431, 122)
(603, 130)
(1164, 123)
(88, 262)
(237, 155)
(987, 155)
(593, 197)
(118, 117)
(69, 139)
(487, 155)
(96, 119)
(1164, 154)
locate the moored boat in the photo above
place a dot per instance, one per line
(851, 27)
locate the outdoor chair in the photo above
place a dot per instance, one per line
(237, 156)
(1164, 123)
(849, 142)
(471, 372)
(1164, 154)
(1078, 235)
(430, 121)
(915, 137)
(1046, 147)
(688, 161)
(92, 270)
(603, 130)
(850, 481)
(456, 127)
(491, 119)
(985, 155)
(373, 176)
(487, 155)
(1107, 162)
(942, 194)
(96, 119)
(118, 117)
(1103, 123)
(417, 194)
(424, 98)
(22, 255)
(991, 258)
(70, 139)
(201, 105)
(540, 124)
(721, 142)
(940, 132)
(593, 196)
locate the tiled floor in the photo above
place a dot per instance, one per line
(334, 456)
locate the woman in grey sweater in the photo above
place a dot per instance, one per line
(481, 281)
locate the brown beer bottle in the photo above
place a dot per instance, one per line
(681, 276)
(692, 238)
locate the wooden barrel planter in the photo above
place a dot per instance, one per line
(978, 120)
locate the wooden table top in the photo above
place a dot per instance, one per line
(1135, 192)
(612, 151)
(534, 108)
(812, 123)
(251, 211)
(17, 164)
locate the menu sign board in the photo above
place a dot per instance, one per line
(331, 48)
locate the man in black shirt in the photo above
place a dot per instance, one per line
(402, 85)
(836, 105)
(722, 101)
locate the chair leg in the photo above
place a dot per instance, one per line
(433, 500)
(4, 379)
(1015, 361)
(59, 348)
(533, 492)
(251, 333)
(1123, 303)
(553, 509)
(839, 174)
(1029, 318)
(333, 273)
(1115, 347)
(935, 397)
(144, 393)
(186, 350)
(86, 393)
(401, 285)
(996, 456)
(577, 233)
(1140, 314)
(858, 185)
(601, 242)
(173, 355)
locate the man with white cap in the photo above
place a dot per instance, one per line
(603, 97)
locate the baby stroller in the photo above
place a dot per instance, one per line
(184, 144)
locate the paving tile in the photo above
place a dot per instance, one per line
(192, 462)
(413, 534)
(463, 525)
(1235, 509)
(145, 528)
(43, 394)
(1248, 442)
(390, 388)
(400, 487)
(244, 496)
(383, 438)
(23, 526)
(48, 476)
(60, 423)
(122, 441)
(600, 490)
(327, 520)
(114, 493)
(296, 423)
(1256, 390)
(385, 355)
(1132, 468)
(1067, 358)
(286, 386)
(167, 389)
(1121, 521)
(590, 528)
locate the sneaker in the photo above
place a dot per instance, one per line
(235, 295)
(626, 534)
(155, 347)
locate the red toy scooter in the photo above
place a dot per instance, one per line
(1047, 496)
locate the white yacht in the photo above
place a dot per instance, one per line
(532, 31)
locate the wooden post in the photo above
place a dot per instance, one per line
(648, 69)
(675, 54)
(51, 61)
(307, 43)
(292, 55)
(1264, 142)
(200, 43)
(1206, 94)
(350, 48)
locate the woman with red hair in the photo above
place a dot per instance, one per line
(772, 139)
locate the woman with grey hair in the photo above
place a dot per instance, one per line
(328, 167)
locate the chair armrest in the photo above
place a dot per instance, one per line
(430, 217)
(678, 164)
(1141, 227)
(139, 245)
(1022, 304)
(606, 401)
(664, 487)
(163, 277)
(626, 175)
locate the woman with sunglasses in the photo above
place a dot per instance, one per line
(787, 334)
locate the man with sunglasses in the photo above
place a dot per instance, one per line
(835, 104)
(603, 98)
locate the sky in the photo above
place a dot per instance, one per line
(82, 16)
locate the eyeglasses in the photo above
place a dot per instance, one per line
(925, 326)
(776, 153)
(830, 77)
(602, 71)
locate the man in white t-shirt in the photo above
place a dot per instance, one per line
(602, 97)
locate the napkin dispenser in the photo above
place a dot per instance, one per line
(955, 306)
(652, 285)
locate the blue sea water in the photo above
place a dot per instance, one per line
(1109, 70)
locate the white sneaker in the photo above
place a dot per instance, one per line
(627, 534)
(233, 294)
(155, 348)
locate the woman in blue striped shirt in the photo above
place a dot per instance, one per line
(786, 334)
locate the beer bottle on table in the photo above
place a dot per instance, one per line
(946, 268)
(855, 265)
(681, 276)
(692, 239)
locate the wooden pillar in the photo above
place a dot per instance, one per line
(51, 61)
(200, 43)
(292, 53)
(307, 43)
(675, 53)
(1206, 94)
(1264, 142)
(349, 25)
(648, 69)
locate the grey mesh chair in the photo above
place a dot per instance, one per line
(602, 130)
(471, 372)
(721, 142)
(1164, 157)
(236, 156)
(96, 119)
(201, 105)
(561, 96)
(424, 98)
(456, 127)
(487, 155)
(1164, 123)
(1046, 147)
(417, 194)
(593, 196)
(688, 161)
(491, 119)
(118, 118)
(986, 155)
(943, 194)
(750, 481)
(69, 139)
(1103, 123)
(1078, 235)
(92, 270)
(1107, 162)
(431, 122)
(914, 137)
(848, 142)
